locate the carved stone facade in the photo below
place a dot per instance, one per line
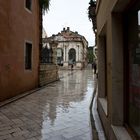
(71, 49)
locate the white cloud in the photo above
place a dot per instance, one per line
(69, 13)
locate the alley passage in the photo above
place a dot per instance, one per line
(60, 111)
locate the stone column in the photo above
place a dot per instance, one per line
(65, 56)
(81, 54)
(77, 55)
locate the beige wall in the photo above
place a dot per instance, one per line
(110, 64)
(17, 25)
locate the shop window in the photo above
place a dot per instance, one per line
(28, 4)
(133, 80)
(28, 56)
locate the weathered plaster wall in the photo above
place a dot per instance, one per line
(17, 25)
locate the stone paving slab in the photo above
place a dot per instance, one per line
(58, 111)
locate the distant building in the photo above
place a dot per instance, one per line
(71, 49)
(19, 47)
(44, 34)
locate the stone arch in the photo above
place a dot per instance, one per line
(59, 56)
(72, 56)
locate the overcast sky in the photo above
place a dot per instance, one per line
(69, 13)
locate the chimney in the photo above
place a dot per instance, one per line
(68, 28)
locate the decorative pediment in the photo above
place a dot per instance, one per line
(59, 38)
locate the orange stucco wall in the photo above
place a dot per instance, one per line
(17, 25)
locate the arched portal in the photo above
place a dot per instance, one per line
(72, 56)
(60, 56)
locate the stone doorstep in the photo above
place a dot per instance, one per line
(121, 133)
(22, 95)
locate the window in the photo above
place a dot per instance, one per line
(28, 4)
(28, 56)
(133, 70)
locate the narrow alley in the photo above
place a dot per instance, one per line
(60, 111)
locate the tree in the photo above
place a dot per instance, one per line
(90, 55)
(43, 7)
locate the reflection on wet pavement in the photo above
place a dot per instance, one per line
(60, 111)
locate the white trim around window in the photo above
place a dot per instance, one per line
(27, 9)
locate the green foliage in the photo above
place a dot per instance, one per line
(91, 10)
(90, 55)
(44, 4)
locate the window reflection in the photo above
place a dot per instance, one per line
(134, 71)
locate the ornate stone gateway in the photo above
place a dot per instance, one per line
(71, 49)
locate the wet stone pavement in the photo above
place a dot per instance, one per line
(60, 111)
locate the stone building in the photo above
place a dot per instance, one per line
(71, 49)
(118, 41)
(19, 47)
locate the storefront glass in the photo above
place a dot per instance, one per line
(134, 71)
